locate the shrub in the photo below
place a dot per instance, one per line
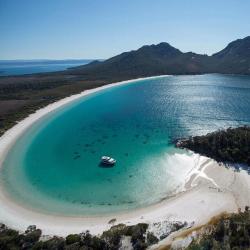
(151, 239)
(72, 238)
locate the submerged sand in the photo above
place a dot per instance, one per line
(210, 189)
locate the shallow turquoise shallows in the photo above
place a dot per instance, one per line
(54, 166)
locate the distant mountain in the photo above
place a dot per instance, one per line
(25, 93)
(147, 61)
(235, 58)
(162, 58)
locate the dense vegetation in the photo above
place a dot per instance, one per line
(231, 145)
(235, 58)
(22, 95)
(136, 237)
(228, 233)
(109, 240)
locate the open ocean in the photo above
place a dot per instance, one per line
(20, 67)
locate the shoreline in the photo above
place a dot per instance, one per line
(11, 135)
(210, 189)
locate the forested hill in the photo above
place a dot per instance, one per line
(231, 145)
(164, 59)
(235, 58)
(147, 61)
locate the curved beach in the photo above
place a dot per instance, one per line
(210, 190)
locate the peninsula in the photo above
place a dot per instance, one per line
(231, 145)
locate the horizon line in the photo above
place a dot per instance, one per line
(190, 51)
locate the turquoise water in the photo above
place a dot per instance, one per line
(54, 166)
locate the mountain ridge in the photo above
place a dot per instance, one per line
(163, 58)
(22, 95)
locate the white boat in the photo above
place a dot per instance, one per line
(106, 160)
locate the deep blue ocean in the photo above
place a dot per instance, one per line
(20, 67)
(54, 166)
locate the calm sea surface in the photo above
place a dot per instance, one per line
(54, 166)
(20, 67)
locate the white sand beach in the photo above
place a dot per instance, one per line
(210, 189)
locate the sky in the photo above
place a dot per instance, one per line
(99, 29)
